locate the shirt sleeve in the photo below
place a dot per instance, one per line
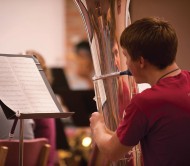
(133, 126)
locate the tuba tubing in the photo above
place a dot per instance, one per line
(104, 22)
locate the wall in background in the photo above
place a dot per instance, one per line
(75, 28)
(177, 13)
(33, 24)
(52, 27)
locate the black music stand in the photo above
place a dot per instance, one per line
(10, 65)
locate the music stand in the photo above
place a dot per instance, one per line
(28, 82)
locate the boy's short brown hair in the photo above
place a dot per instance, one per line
(152, 38)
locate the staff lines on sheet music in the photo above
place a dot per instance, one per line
(38, 90)
(26, 71)
(22, 74)
(7, 84)
(42, 104)
(28, 76)
(8, 91)
(32, 76)
(31, 97)
(13, 98)
(10, 84)
(31, 82)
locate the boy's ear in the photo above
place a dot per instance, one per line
(142, 62)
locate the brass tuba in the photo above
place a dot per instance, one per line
(104, 22)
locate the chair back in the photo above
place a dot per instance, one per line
(35, 152)
(3, 155)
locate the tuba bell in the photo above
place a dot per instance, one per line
(104, 22)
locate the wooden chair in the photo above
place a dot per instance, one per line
(3, 155)
(35, 152)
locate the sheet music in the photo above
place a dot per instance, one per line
(22, 88)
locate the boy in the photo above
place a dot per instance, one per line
(159, 117)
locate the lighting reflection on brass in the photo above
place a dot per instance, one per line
(86, 141)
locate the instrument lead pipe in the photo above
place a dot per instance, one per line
(115, 74)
